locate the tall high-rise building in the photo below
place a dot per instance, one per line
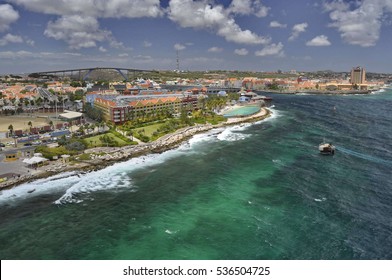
(358, 75)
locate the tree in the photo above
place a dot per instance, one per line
(11, 129)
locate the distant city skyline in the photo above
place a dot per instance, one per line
(260, 35)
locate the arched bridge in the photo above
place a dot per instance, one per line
(83, 76)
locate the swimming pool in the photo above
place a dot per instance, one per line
(242, 111)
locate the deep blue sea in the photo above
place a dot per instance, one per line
(257, 191)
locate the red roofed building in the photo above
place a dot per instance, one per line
(120, 113)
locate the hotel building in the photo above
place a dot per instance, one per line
(119, 109)
(358, 75)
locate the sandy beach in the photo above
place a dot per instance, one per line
(105, 156)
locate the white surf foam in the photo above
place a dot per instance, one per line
(209, 136)
(39, 187)
(113, 177)
(274, 115)
(232, 134)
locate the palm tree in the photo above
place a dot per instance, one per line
(38, 101)
(30, 124)
(11, 129)
(51, 124)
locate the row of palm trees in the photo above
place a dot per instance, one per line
(28, 103)
(92, 126)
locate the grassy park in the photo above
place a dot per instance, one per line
(95, 141)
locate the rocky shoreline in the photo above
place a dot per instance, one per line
(106, 156)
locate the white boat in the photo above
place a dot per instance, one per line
(326, 149)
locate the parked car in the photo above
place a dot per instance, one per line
(2, 145)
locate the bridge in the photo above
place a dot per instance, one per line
(80, 72)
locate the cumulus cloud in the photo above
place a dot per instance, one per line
(298, 29)
(248, 7)
(77, 31)
(95, 8)
(179, 47)
(7, 16)
(359, 23)
(102, 49)
(276, 24)
(78, 21)
(215, 50)
(271, 50)
(203, 15)
(242, 51)
(9, 38)
(319, 41)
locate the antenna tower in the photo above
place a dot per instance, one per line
(178, 61)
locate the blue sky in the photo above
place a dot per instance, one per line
(258, 35)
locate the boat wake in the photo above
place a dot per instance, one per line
(364, 156)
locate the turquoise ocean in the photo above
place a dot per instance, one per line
(256, 191)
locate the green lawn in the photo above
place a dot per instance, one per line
(149, 129)
(94, 141)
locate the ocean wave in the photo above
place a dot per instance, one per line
(39, 187)
(209, 136)
(234, 133)
(114, 177)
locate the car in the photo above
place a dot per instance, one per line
(2, 145)
(27, 144)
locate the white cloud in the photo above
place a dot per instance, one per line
(271, 50)
(147, 44)
(102, 49)
(276, 24)
(203, 15)
(248, 7)
(7, 16)
(319, 41)
(30, 42)
(9, 38)
(77, 31)
(143, 58)
(360, 23)
(78, 22)
(215, 49)
(123, 55)
(298, 29)
(179, 47)
(95, 8)
(242, 51)
(15, 55)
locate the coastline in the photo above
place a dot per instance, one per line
(112, 155)
(320, 92)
